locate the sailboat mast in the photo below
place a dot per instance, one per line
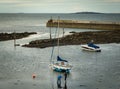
(14, 38)
(50, 29)
(63, 31)
(58, 34)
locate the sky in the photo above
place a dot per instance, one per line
(59, 6)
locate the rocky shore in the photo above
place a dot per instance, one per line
(99, 37)
(11, 36)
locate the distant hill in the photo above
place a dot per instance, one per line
(88, 13)
(94, 13)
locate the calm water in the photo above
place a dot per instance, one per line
(90, 70)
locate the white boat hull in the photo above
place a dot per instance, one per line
(87, 48)
(61, 68)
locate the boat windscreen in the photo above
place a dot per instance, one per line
(93, 45)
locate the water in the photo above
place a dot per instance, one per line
(37, 22)
(90, 70)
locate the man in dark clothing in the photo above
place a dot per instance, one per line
(65, 75)
(59, 81)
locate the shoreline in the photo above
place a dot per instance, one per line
(12, 36)
(79, 38)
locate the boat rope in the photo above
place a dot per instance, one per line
(53, 46)
(51, 75)
(52, 79)
(58, 44)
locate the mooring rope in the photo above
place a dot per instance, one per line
(51, 75)
(53, 45)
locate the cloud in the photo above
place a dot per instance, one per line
(112, 1)
(10, 1)
(31, 2)
(13, 2)
(57, 5)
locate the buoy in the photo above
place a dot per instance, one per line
(33, 76)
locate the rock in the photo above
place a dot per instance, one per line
(78, 38)
(11, 36)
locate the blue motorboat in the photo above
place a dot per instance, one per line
(91, 47)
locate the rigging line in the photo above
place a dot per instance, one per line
(53, 45)
(14, 39)
(51, 78)
(52, 53)
(58, 34)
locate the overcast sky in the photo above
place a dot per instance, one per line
(59, 6)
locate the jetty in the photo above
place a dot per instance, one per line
(100, 25)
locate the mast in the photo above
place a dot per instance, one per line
(14, 38)
(15, 44)
(50, 29)
(58, 34)
(63, 31)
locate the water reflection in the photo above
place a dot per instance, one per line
(65, 86)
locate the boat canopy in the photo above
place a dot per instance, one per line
(93, 45)
(60, 59)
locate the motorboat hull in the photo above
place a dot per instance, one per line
(87, 48)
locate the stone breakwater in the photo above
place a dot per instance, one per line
(11, 36)
(99, 37)
(84, 24)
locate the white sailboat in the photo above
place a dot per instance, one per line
(60, 65)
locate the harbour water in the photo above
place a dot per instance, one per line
(90, 70)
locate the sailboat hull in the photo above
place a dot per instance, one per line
(61, 68)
